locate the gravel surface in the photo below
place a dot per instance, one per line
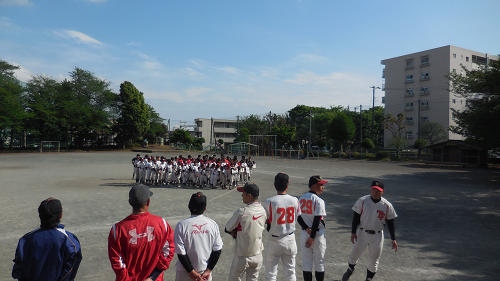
(447, 227)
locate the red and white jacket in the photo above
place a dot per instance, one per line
(139, 244)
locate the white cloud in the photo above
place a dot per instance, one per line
(78, 37)
(22, 73)
(163, 96)
(136, 44)
(144, 56)
(230, 69)
(311, 58)
(196, 94)
(16, 3)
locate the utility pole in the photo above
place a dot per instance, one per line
(373, 111)
(361, 125)
(418, 132)
(211, 128)
(238, 125)
(310, 125)
(270, 121)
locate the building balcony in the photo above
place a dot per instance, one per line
(409, 122)
(423, 93)
(408, 95)
(409, 108)
(424, 106)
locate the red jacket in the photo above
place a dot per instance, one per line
(139, 244)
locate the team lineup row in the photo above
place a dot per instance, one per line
(141, 246)
(206, 171)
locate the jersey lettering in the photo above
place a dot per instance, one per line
(306, 206)
(381, 215)
(289, 212)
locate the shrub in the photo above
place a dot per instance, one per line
(343, 155)
(382, 155)
(368, 156)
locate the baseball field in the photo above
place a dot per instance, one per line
(448, 224)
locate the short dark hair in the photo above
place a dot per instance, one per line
(281, 182)
(50, 222)
(137, 205)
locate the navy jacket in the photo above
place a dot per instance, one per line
(47, 254)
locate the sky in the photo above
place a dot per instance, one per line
(223, 59)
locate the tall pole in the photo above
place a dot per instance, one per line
(373, 111)
(418, 132)
(361, 129)
(238, 124)
(310, 125)
(361, 125)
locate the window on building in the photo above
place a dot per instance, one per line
(453, 101)
(466, 58)
(199, 124)
(424, 76)
(424, 105)
(409, 78)
(424, 119)
(409, 64)
(454, 70)
(409, 120)
(409, 134)
(461, 57)
(409, 92)
(409, 106)
(454, 56)
(424, 61)
(424, 91)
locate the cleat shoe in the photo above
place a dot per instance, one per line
(347, 274)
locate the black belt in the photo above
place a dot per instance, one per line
(284, 235)
(370, 231)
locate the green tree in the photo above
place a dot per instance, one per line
(181, 136)
(341, 128)
(255, 124)
(156, 127)
(46, 100)
(479, 123)
(284, 134)
(133, 123)
(12, 100)
(97, 103)
(397, 126)
(419, 144)
(198, 142)
(367, 144)
(244, 136)
(433, 132)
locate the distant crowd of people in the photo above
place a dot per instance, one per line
(206, 171)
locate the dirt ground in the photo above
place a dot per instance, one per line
(447, 228)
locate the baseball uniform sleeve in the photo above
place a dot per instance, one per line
(114, 253)
(319, 208)
(217, 246)
(234, 220)
(391, 213)
(167, 253)
(17, 270)
(179, 241)
(73, 254)
(358, 206)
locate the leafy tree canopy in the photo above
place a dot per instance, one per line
(479, 123)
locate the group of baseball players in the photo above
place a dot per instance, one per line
(141, 246)
(206, 171)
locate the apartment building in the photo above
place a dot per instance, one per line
(416, 85)
(214, 129)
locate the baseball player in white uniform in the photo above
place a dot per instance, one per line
(371, 213)
(312, 236)
(246, 226)
(282, 211)
(198, 244)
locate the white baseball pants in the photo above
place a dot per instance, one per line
(284, 248)
(250, 265)
(374, 242)
(314, 253)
